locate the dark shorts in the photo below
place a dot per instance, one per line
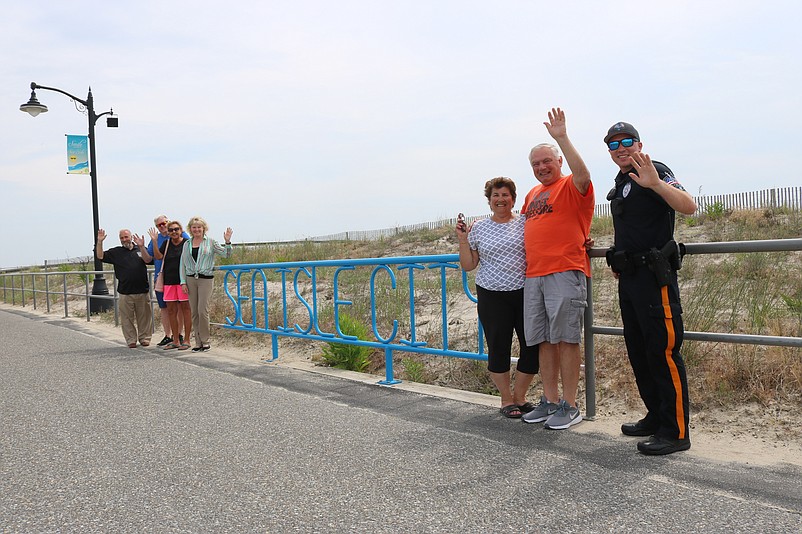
(501, 314)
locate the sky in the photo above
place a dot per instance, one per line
(289, 120)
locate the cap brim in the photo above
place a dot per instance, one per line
(610, 136)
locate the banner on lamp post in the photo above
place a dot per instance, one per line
(77, 154)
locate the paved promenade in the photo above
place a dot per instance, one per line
(96, 437)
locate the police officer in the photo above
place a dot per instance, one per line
(645, 258)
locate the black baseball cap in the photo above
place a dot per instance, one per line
(621, 128)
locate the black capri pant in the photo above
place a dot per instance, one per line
(501, 313)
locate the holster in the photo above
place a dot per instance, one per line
(619, 261)
(674, 253)
(661, 267)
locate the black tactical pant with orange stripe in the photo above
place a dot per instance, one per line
(653, 333)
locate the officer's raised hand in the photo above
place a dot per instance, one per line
(647, 175)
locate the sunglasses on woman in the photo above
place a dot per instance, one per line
(174, 229)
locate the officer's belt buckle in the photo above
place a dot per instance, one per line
(640, 259)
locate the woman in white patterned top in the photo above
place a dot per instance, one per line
(496, 246)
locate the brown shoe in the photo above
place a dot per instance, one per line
(132, 345)
(144, 343)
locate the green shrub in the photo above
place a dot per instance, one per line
(715, 211)
(350, 357)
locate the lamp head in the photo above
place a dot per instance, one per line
(32, 106)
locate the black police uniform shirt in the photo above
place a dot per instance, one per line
(644, 220)
(129, 269)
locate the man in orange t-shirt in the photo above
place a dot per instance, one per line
(558, 215)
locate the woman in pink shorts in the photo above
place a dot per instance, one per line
(176, 298)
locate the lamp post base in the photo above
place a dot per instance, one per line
(98, 305)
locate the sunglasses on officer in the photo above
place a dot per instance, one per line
(626, 143)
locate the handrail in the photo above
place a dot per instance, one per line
(722, 247)
(11, 290)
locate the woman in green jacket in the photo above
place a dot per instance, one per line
(197, 276)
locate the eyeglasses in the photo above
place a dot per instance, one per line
(174, 229)
(626, 143)
(162, 224)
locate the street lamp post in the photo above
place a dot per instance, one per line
(34, 108)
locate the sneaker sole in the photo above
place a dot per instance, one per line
(538, 420)
(567, 425)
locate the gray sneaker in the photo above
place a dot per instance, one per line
(565, 416)
(543, 410)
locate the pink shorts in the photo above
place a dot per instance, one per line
(173, 293)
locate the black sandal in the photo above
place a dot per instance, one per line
(526, 407)
(511, 411)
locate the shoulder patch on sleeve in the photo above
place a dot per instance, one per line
(670, 180)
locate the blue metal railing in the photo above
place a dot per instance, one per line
(251, 298)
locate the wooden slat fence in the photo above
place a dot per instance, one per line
(787, 197)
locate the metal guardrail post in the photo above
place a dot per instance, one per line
(66, 309)
(47, 288)
(88, 301)
(590, 357)
(116, 302)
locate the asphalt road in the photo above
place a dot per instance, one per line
(96, 437)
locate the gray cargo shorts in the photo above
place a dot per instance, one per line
(554, 306)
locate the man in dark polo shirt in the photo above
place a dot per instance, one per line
(132, 275)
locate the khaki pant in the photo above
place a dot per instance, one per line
(200, 292)
(135, 314)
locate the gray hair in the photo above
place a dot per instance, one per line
(553, 148)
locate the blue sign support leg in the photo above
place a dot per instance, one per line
(388, 366)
